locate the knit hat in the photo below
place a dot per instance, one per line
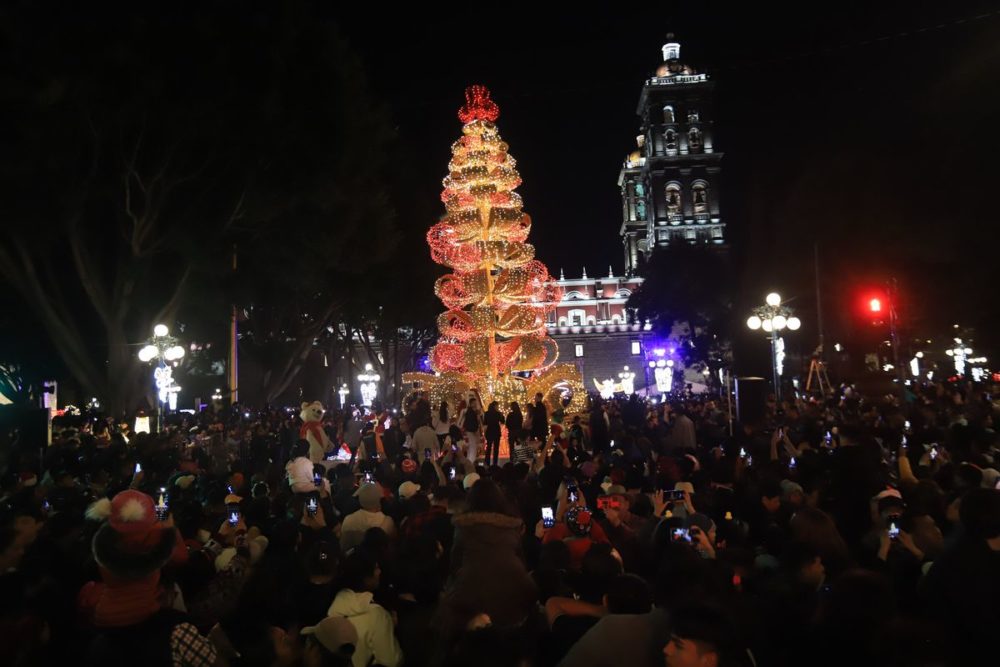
(132, 543)
(408, 490)
(409, 466)
(336, 634)
(579, 520)
(470, 480)
(370, 497)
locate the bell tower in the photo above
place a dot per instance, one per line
(670, 182)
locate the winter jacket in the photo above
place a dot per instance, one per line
(376, 634)
(489, 572)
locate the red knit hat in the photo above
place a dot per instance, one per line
(133, 543)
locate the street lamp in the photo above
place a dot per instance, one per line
(772, 318)
(369, 385)
(163, 347)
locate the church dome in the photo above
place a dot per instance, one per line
(671, 68)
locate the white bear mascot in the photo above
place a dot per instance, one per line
(312, 430)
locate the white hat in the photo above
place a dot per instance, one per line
(470, 480)
(408, 489)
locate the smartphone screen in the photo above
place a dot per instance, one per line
(681, 535)
(317, 479)
(548, 517)
(791, 463)
(162, 508)
(427, 454)
(893, 531)
(369, 478)
(677, 494)
(138, 467)
(234, 517)
(312, 506)
(452, 474)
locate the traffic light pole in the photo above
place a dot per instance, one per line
(893, 291)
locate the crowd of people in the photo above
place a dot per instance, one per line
(838, 530)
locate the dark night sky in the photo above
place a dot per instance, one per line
(871, 131)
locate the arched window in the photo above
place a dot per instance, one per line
(668, 115)
(699, 197)
(562, 321)
(674, 202)
(695, 140)
(670, 140)
(577, 316)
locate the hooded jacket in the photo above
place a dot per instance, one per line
(376, 637)
(490, 576)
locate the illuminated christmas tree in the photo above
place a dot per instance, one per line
(498, 295)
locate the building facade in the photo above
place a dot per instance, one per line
(670, 182)
(596, 331)
(670, 195)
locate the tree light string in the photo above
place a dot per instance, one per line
(498, 295)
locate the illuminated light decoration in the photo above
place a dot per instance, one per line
(163, 376)
(959, 354)
(779, 355)
(627, 381)
(664, 376)
(875, 305)
(915, 366)
(343, 392)
(217, 395)
(606, 388)
(141, 424)
(369, 385)
(498, 296)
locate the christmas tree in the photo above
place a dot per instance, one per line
(498, 294)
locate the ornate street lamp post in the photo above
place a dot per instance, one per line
(772, 317)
